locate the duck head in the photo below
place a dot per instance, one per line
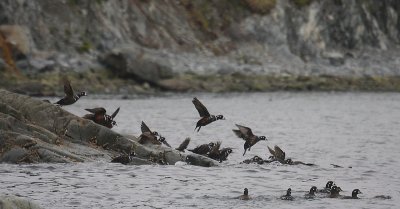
(289, 192)
(313, 190)
(246, 191)
(355, 193)
(329, 184)
(220, 117)
(82, 93)
(262, 138)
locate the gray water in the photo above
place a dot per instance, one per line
(359, 131)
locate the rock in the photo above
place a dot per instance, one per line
(33, 130)
(13, 202)
(128, 62)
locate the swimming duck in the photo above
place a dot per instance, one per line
(206, 117)
(327, 188)
(246, 134)
(203, 149)
(353, 194)
(278, 155)
(151, 136)
(245, 195)
(70, 97)
(311, 194)
(254, 159)
(335, 192)
(288, 195)
(183, 145)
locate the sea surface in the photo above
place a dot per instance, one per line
(358, 131)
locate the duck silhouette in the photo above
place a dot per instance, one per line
(247, 134)
(206, 117)
(70, 96)
(245, 195)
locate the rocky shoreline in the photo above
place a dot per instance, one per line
(35, 131)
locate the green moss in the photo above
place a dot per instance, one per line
(84, 47)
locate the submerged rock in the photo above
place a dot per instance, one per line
(35, 131)
(12, 202)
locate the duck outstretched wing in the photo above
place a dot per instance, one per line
(115, 113)
(68, 88)
(203, 112)
(279, 154)
(183, 145)
(144, 128)
(246, 131)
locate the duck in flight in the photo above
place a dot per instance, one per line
(70, 97)
(247, 134)
(206, 117)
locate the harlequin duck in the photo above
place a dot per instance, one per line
(99, 116)
(335, 192)
(183, 145)
(327, 188)
(245, 195)
(123, 159)
(70, 97)
(219, 154)
(353, 194)
(311, 194)
(278, 155)
(246, 134)
(254, 159)
(151, 136)
(224, 153)
(288, 195)
(203, 149)
(206, 117)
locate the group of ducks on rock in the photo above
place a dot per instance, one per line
(330, 191)
(212, 150)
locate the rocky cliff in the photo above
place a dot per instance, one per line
(233, 45)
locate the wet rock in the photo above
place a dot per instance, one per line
(13, 202)
(33, 130)
(128, 62)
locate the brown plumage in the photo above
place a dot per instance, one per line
(203, 149)
(206, 117)
(277, 154)
(99, 116)
(246, 134)
(148, 138)
(152, 137)
(183, 145)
